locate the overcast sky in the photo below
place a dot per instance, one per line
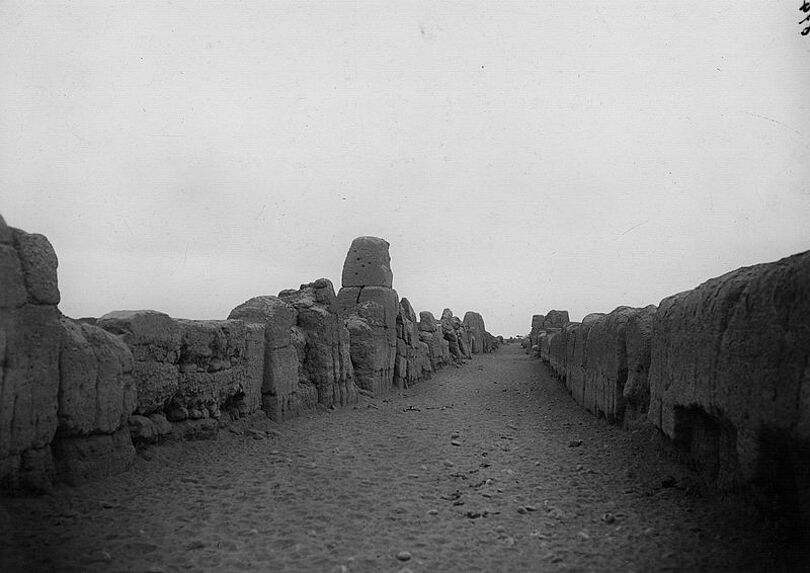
(518, 156)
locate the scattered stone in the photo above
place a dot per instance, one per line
(455, 443)
(404, 556)
(574, 443)
(433, 512)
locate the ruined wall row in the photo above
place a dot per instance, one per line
(721, 370)
(77, 396)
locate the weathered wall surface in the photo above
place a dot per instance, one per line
(324, 356)
(533, 341)
(577, 359)
(412, 354)
(283, 396)
(722, 370)
(97, 394)
(430, 332)
(730, 373)
(456, 336)
(29, 357)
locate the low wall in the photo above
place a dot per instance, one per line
(721, 370)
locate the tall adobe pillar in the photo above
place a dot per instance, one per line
(370, 306)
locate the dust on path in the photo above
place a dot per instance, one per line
(477, 469)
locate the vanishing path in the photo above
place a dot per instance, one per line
(473, 470)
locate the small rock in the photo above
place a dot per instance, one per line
(530, 508)
(403, 556)
(454, 435)
(473, 514)
(433, 512)
(256, 434)
(448, 463)
(668, 482)
(236, 431)
(608, 518)
(574, 443)
(455, 443)
(583, 534)
(521, 510)
(538, 534)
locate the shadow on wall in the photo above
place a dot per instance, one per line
(722, 370)
(79, 395)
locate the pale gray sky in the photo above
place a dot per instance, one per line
(518, 156)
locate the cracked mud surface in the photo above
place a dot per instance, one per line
(488, 467)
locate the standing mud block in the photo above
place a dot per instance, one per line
(370, 308)
(30, 336)
(322, 343)
(280, 396)
(608, 362)
(97, 395)
(474, 323)
(638, 340)
(577, 360)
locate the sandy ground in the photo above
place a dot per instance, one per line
(488, 467)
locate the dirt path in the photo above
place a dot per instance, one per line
(477, 469)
